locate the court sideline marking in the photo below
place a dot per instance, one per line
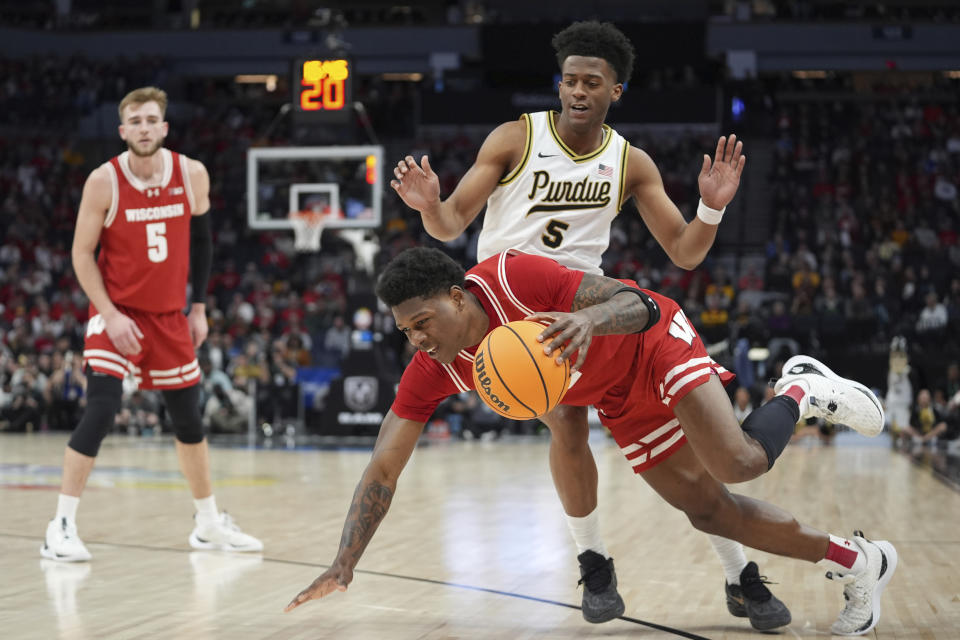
(444, 583)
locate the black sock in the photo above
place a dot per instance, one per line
(772, 425)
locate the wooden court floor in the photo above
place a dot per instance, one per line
(474, 546)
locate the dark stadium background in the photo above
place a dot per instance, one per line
(844, 234)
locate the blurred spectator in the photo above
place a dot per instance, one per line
(933, 317)
(337, 338)
(65, 392)
(742, 406)
(228, 408)
(139, 413)
(926, 423)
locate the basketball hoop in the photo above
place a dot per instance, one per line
(307, 228)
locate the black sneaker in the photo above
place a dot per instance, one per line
(601, 602)
(751, 599)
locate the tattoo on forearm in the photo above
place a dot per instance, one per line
(616, 313)
(593, 290)
(370, 504)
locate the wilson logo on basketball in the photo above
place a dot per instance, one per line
(480, 374)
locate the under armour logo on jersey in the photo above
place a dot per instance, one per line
(175, 191)
(153, 192)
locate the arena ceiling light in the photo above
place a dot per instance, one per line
(402, 77)
(268, 80)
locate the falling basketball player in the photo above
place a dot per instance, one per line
(646, 370)
(552, 184)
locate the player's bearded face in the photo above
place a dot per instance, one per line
(146, 147)
(143, 128)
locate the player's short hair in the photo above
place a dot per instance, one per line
(142, 96)
(596, 40)
(419, 272)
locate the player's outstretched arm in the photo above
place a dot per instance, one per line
(601, 306)
(371, 500)
(686, 244)
(419, 186)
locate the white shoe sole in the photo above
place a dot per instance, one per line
(47, 553)
(890, 553)
(828, 373)
(203, 545)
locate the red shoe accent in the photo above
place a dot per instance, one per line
(844, 555)
(795, 392)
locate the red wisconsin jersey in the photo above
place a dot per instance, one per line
(511, 286)
(145, 242)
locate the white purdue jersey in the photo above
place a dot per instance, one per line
(555, 203)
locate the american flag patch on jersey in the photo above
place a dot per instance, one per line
(605, 170)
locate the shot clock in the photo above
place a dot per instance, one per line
(322, 90)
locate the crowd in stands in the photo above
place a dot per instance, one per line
(863, 246)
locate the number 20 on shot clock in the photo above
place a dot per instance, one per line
(322, 90)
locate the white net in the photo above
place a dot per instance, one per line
(307, 229)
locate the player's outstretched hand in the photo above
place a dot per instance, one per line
(333, 579)
(124, 334)
(720, 179)
(572, 330)
(418, 187)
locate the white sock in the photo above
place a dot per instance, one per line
(67, 507)
(586, 533)
(844, 556)
(206, 509)
(731, 557)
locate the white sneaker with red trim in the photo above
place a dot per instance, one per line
(832, 398)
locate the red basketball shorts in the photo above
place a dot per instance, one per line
(166, 360)
(671, 361)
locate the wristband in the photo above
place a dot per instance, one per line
(708, 215)
(653, 311)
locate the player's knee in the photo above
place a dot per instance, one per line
(709, 514)
(183, 405)
(568, 426)
(103, 401)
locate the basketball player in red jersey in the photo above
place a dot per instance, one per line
(146, 208)
(645, 369)
(520, 173)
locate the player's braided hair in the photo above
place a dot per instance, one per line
(419, 272)
(596, 40)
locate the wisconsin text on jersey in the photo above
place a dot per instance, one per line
(583, 194)
(154, 213)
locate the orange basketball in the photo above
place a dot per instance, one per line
(514, 376)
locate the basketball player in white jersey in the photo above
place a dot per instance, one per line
(552, 184)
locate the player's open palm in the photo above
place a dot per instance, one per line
(124, 334)
(333, 579)
(719, 179)
(419, 187)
